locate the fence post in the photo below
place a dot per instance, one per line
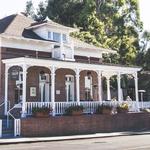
(0, 128)
(17, 127)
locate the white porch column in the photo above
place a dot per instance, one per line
(119, 86)
(24, 86)
(100, 86)
(78, 86)
(6, 89)
(108, 88)
(136, 90)
(53, 89)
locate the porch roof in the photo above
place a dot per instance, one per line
(111, 69)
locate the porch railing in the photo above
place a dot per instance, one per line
(31, 105)
(61, 106)
(17, 127)
(89, 107)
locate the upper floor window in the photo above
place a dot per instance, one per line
(57, 37)
(64, 38)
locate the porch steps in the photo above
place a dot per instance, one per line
(7, 132)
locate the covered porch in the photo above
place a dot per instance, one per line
(72, 92)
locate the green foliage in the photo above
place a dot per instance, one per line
(41, 109)
(109, 24)
(124, 107)
(100, 108)
(70, 109)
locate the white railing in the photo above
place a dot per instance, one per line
(17, 127)
(31, 105)
(0, 128)
(144, 104)
(90, 107)
(61, 106)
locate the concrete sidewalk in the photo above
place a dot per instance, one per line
(18, 140)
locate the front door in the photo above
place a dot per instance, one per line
(69, 87)
(44, 87)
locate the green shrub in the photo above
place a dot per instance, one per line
(70, 109)
(41, 109)
(100, 108)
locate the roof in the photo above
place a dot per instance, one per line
(5, 22)
(16, 24)
(20, 26)
(49, 22)
(80, 44)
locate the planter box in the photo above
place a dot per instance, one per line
(77, 113)
(41, 114)
(122, 111)
(107, 111)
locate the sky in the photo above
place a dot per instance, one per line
(8, 7)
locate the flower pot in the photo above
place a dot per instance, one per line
(77, 113)
(122, 111)
(107, 111)
(41, 114)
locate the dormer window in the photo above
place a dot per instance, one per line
(64, 38)
(57, 37)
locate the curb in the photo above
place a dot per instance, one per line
(20, 140)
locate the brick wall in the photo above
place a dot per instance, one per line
(85, 124)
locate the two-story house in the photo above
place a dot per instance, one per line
(41, 64)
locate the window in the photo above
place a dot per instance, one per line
(64, 38)
(49, 35)
(88, 88)
(56, 36)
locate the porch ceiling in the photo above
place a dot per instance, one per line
(110, 69)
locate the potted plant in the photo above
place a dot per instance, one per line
(104, 109)
(41, 111)
(74, 110)
(123, 108)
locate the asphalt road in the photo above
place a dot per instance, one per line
(138, 142)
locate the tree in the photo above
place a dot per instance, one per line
(113, 24)
(29, 11)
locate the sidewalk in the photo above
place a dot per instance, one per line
(73, 137)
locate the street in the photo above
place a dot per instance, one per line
(137, 142)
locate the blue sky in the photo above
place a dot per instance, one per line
(8, 7)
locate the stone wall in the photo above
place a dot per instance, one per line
(85, 124)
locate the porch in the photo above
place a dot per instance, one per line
(77, 74)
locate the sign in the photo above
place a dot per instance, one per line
(57, 92)
(33, 91)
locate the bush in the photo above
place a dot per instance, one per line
(70, 109)
(103, 107)
(124, 107)
(41, 109)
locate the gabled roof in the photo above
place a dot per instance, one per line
(20, 26)
(5, 22)
(50, 23)
(15, 25)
